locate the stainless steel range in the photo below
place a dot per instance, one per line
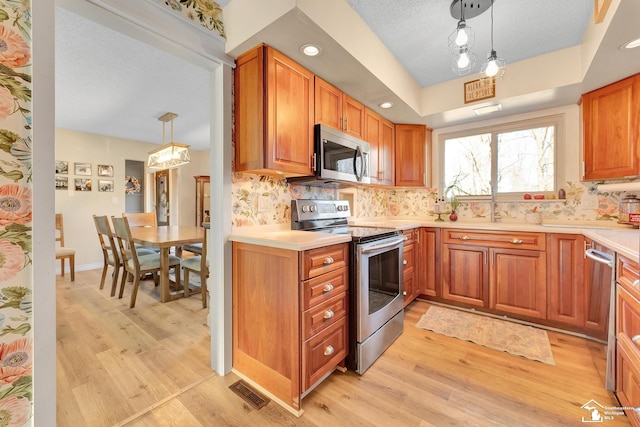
(376, 312)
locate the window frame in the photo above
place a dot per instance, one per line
(556, 120)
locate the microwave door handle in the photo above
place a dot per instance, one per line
(355, 157)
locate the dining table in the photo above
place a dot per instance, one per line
(165, 237)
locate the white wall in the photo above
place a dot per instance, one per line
(78, 207)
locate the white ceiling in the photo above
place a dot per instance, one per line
(108, 83)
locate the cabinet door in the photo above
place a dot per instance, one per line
(611, 127)
(373, 127)
(290, 115)
(565, 254)
(353, 112)
(386, 153)
(411, 141)
(518, 282)
(428, 261)
(465, 275)
(597, 285)
(328, 104)
(628, 377)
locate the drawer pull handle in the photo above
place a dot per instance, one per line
(516, 241)
(329, 314)
(464, 237)
(636, 283)
(328, 260)
(329, 350)
(327, 288)
(404, 262)
(635, 339)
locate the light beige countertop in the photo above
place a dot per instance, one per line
(619, 238)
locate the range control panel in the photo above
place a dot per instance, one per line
(308, 209)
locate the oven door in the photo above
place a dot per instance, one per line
(378, 283)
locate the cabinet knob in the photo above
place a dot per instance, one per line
(464, 237)
(329, 350)
(328, 314)
(327, 288)
(404, 293)
(635, 339)
(516, 241)
(636, 283)
(327, 261)
(404, 262)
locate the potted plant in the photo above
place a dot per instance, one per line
(454, 202)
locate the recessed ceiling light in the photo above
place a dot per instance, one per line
(386, 105)
(488, 109)
(310, 50)
(631, 44)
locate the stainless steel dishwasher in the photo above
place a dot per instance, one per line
(603, 271)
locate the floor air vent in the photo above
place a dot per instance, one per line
(252, 397)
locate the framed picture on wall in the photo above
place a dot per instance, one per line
(105, 185)
(83, 184)
(83, 169)
(105, 170)
(62, 183)
(62, 166)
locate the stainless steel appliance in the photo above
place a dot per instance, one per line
(602, 271)
(376, 313)
(338, 158)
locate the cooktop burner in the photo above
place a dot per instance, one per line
(330, 216)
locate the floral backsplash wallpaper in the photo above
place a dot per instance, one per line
(16, 317)
(263, 200)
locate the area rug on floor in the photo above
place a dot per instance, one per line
(503, 335)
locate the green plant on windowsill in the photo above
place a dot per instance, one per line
(456, 190)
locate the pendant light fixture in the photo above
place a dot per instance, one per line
(460, 42)
(494, 67)
(169, 155)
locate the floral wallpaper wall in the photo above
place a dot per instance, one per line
(276, 195)
(16, 347)
(207, 13)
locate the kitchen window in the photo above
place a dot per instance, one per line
(509, 159)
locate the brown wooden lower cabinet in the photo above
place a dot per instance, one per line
(565, 280)
(428, 262)
(465, 274)
(290, 315)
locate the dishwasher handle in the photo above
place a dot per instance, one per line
(599, 256)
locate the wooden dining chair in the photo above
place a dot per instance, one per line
(109, 251)
(197, 265)
(134, 264)
(62, 252)
(142, 219)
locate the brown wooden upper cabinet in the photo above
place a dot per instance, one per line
(411, 145)
(380, 134)
(611, 118)
(338, 110)
(274, 114)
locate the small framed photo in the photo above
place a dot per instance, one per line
(83, 184)
(83, 169)
(62, 183)
(476, 91)
(105, 185)
(105, 170)
(62, 167)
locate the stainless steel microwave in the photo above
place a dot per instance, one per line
(340, 157)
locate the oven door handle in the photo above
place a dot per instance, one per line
(374, 248)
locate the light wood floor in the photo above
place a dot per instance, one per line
(149, 366)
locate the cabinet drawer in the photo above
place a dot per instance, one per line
(627, 274)
(628, 315)
(323, 352)
(325, 287)
(510, 239)
(319, 317)
(323, 260)
(410, 235)
(628, 378)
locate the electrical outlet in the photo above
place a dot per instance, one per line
(264, 203)
(588, 203)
